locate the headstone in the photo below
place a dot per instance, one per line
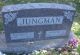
(37, 24)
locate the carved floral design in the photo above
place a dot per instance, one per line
(9, 17)
(68, 15)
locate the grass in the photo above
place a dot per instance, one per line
(1, 25)
(78, 49)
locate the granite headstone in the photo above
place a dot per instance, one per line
(37, 23)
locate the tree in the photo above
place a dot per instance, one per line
(7, 2)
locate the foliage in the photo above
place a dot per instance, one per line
(76, 28)
(77, 2)
(78, 49)
(1, 26)
(1, 4)
(55, 52)
(26, 1)
(41, 52)
(68, 49)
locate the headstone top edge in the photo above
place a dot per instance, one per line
(16, 7)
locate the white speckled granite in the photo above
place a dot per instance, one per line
(16, 7)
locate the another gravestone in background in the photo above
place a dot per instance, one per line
(36, 25)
